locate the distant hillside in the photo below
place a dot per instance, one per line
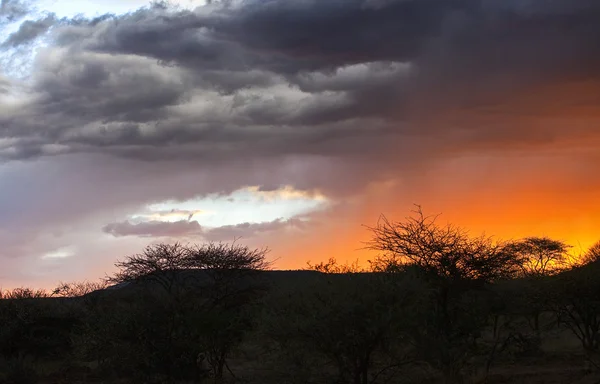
(201, 278)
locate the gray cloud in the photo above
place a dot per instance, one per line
(291, 37)
(13, 10)
(249, 230)
(154, 229)
(5, 84)
(261, 79)
(342, 79)
(29, 31)
(349, 80)
(186, 228)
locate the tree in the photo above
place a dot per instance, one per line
(161, 263)
(592, 255)
(33, 325)
(23, 293)
(332, 266)
(357, 323)
(446, 252)
(457, 269)
(203, 293)
(228, 257)
(231, 288)
(576, 299)
(524, 312)
(78, 289)
(539, 256)
(167, 264)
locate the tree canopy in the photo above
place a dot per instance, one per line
(446, 251)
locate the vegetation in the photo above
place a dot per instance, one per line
(436, 305)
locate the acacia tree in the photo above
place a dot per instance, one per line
(198, 283)
(446, 252)
(228, 267)
(166, 264)
(539, 256)
(536, 257)
(160, 263)
(592, 255)
(576, 299)
(457, 268)
(355, 323)
(231, 287)
(227, 257)
(78, 288)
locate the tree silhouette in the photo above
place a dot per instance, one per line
(78, 288)
(592, 255)
(158, 262)
(351, 327)
(447, 252)
(576, 299)
(205, 291)
(457, 267)
(164, 263)
(23, 293)
(539, 256)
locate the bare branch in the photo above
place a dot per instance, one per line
(447, 251)
(163, 263)
(539, 256)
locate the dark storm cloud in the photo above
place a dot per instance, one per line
(107, 89)
(29, 31)
(287, 37)
(308, 77)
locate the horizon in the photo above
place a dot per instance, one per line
(289, 124)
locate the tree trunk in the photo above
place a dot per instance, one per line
(220, 367)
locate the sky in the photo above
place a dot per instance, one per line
(290, 124)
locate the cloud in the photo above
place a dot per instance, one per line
(122, 111)
(265, 79)
(359, 83)
(172, 214)
(249, 230)
(12, 10)
(153, 229)
(191, 229)
(5, 85)
(29, 31)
